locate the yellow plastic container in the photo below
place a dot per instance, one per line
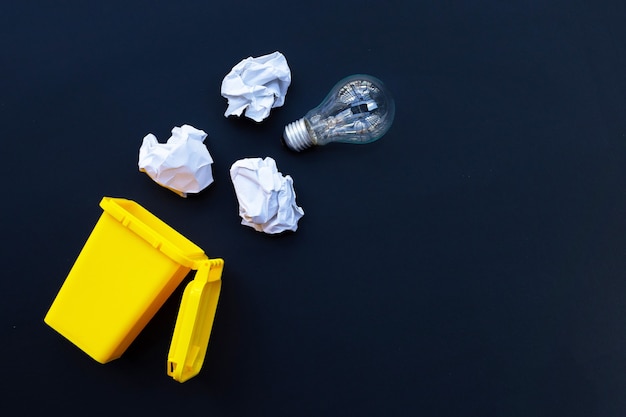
(130, 264)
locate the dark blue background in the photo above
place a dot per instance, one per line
(470, 263)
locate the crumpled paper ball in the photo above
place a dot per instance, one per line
(183, 164)
(256, 85)
(267, 200)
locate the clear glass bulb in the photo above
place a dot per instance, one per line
(359, 109)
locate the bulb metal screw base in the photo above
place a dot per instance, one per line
(296, 136)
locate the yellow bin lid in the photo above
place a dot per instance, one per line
(195, 320)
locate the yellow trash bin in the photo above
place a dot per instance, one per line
(130, 264)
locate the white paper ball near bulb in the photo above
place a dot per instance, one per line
(359, 109)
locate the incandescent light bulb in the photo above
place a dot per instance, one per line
(359, 109)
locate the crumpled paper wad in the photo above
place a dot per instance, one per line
(257, 85)
(267, 200)
(183, 164)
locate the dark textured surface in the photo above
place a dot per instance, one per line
(470, 263)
